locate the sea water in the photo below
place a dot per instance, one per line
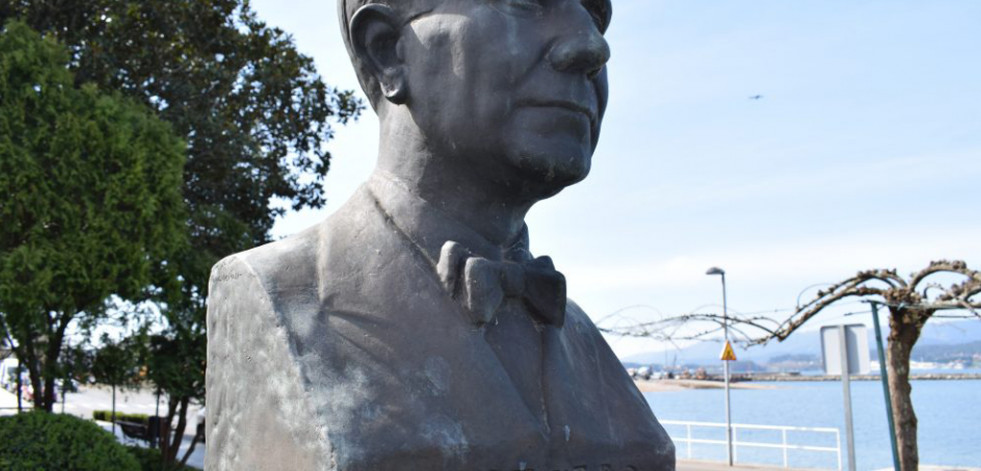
(948, 411)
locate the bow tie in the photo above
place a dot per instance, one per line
(481, 285)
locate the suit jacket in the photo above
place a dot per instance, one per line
(339, 348)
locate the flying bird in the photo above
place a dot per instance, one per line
(756, 97)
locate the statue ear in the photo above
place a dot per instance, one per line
(375, 36)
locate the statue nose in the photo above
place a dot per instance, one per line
(584, 52)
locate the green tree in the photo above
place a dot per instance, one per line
(176, 365)
(255, 113)
(253, 110)
(76, 369)
(91, 184)
(117, 364)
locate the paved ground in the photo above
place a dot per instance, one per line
(89, 399)
(695, 465)
(939, 468)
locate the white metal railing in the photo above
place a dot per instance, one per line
(783, 445)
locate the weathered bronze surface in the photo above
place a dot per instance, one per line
(413, 329)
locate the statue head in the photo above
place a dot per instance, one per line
(511, 92)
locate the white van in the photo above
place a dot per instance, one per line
(8, 370)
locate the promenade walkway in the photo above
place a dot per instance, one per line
(695, 465)
(8, 402)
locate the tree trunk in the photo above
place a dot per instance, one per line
(37, 384)
(114, 410)
(27, 359)
(51, 360)
(49, 393)
(20, 389)
(178, 407)
(901, 340)
(165, 433)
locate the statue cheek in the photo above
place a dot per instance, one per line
(509, 38)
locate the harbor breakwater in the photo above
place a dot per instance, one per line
(870, 377)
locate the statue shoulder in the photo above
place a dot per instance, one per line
(298, 267)
(580, 330)
(285, 262)
(299, 259)
(578, 319)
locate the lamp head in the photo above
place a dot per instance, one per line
(715, 271)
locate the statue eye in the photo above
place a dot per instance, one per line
(600, 10)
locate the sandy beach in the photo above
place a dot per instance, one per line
(659, 385)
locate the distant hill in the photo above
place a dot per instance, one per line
(708, 351)
(950, 333)
(942, 353)
(939, 340)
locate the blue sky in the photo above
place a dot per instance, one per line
(864, 152)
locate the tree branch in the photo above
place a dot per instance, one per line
(900, 296)
(939, 266)
(850, 288)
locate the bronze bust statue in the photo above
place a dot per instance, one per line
(413, 329)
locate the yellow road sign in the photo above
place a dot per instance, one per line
(727, 353)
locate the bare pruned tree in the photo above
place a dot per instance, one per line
(910, 302)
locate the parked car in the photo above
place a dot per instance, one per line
(644, 372)
(8, 375)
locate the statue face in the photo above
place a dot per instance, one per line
(514, 90)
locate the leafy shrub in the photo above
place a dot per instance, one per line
(150, 460)
(40, 440)
(106, 416)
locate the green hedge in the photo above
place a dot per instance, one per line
(150, 459)
(43, 441)
(106, 416)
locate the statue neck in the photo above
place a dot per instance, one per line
(494, 211)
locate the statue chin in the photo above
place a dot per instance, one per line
(551, 146)
(546, 166)
(546, 174)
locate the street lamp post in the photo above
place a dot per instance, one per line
(725, 363)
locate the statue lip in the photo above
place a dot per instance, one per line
(566, 104)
